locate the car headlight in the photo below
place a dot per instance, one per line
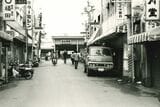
(28, 68)
(91, 64)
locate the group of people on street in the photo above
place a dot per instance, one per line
(75, 59)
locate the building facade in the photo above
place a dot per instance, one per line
(13, 35)
(112, 32)
(145, 41)
(69, 43)
(131, 28)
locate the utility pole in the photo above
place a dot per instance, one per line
(88, 10)
(26, 45)
(32, 42)
(130, 46)
(39, 44)
(33, 29)
(40, 35)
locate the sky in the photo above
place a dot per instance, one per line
(61, 16)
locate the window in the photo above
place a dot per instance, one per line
(100, 52)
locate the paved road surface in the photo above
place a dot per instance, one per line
(63, 86)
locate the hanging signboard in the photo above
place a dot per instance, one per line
(9, 10)
(38, 21)
(120, 1)
(21, 1)
(152, 10)
(29, 15)
(120, 10)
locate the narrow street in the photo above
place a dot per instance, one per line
(63, 86)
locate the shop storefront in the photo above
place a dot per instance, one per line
(150, 56)
(5, 54)
(19, 41)
(154, 62)
(19, 48)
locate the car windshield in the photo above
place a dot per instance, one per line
(100, 51)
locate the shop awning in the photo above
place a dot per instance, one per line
(16, 27)
(152, 35)
(21, 38)
(108, 34)
(95, 34)
(6, 36)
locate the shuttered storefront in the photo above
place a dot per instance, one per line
(154, 62)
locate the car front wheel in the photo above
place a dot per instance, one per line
(89, 72)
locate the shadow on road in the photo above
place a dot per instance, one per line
(133, 89)
(8, 86)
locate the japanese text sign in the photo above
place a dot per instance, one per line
(120, 10)
(29, 15)
(152, 10)
(120, 1)
(9, 10)
(21, 1)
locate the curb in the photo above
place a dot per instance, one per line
(143, 90)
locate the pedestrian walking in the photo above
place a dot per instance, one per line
(54, 57)
(65, 56)
(76, 59)
(72, 58)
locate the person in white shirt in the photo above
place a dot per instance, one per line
(54, 57)
(76, 59)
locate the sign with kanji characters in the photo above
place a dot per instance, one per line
(29, 14)
(120, 1)
(21, 1)
(152, 10)
(9, 10)
(120, 10)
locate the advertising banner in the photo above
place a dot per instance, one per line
(29, 14)
(9, 10)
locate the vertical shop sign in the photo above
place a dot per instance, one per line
(9, 10)
(152, 9)
(29, 15)
(119, 11)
